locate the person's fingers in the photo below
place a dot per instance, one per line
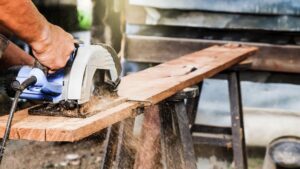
(76, 41)
(57, 52)
(52, 71)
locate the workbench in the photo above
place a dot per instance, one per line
(140, 92)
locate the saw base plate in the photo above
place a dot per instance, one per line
(49, 109)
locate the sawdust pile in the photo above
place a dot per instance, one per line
(103, 98)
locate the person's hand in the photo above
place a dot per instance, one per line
(54, 49)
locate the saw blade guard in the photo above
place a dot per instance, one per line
(90, 59)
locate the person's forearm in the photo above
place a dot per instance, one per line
(50, 44)
(22, 18)
(13, 55)
(4, 31)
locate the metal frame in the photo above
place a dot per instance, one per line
(236, 131)
(237, 121)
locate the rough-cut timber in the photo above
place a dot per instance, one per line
(162, 81)
(142, 88)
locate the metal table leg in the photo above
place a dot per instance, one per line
(237, 121)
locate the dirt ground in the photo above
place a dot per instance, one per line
(210, 157)
(256, 157)
(85, 154)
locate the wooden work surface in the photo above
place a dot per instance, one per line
(141, 89)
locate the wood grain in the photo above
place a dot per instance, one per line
(149, 86)
(168, 78)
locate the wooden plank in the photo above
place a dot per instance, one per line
(35, 127)
(19, 116)
(76, 130)
(168, 78)
(149, 86)
(277, 58)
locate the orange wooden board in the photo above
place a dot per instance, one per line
(162, 81)
(149, 86)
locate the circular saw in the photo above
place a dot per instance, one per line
(90, 67)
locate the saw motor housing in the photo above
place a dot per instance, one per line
(76, 81)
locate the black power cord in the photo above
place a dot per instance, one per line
(19, 88)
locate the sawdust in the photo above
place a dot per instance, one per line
(103, 99)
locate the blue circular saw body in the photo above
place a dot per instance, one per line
(47, 88)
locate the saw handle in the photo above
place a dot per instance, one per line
(45, 69)
(38, 65)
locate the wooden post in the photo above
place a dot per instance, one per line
(183, 131)
(125, 153)
(116, 153)
(109, 148)
(148, 155)
(177, 144)
(170, 143)
(192, 105)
